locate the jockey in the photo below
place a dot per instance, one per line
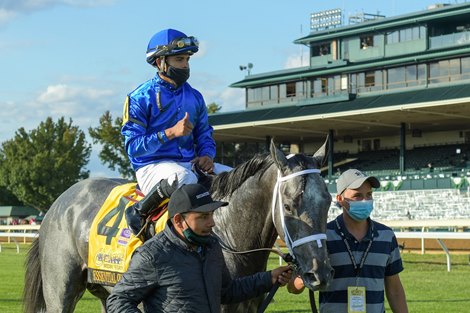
(165, 125)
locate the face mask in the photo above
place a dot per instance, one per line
(194, 238)
(360, 210)
(178, 75)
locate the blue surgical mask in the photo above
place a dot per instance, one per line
(360, 210)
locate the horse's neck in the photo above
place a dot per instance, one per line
(247, 223)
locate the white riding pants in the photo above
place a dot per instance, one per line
(149, 175)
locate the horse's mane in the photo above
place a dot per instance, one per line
(226, 183)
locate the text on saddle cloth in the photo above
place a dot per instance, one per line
(111, 242)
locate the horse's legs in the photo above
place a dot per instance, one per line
(64, 279)
(101, 293)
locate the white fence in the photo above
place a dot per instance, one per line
(439, 236)
(14, 232)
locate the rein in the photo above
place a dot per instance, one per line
(291, 244)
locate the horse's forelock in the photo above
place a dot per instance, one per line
(226, 183)
(304, 161)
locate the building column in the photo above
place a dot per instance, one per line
(402, 147)
(268, 142)
(330, 149)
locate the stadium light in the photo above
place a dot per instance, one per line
(325, 19)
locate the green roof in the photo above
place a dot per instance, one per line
(17, 211)
(363, 102)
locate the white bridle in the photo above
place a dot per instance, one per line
(277, 195)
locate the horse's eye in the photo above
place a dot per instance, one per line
(286, 207)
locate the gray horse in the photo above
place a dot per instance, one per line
(269, 195)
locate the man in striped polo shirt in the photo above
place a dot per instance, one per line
(363, 253)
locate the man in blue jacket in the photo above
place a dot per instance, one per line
(182, 269)
(165, 124)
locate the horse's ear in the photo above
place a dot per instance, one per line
(278, 156)
(322, 154)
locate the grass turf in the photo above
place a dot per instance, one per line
(429, 287)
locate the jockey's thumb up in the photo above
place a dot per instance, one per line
(282, 275)
(188, 126)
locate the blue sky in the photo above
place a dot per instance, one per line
(79, 58)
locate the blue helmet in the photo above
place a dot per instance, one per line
(170, 42)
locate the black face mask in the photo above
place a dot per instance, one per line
(178, 75)
(194, 238)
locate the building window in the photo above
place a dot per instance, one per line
(273, 92)
(254, 95)
(396, 77)
(370, 79)
(411, 75)
(406, 34)
(265, 93)
(454, 69)
(299, 89)
(439, 72)
(367, 41)
(320, 49)
(465, 67)
(422, 74)
(320, 87)
(393, 37)
(290, 89)
(325, 49)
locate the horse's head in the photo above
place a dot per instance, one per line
(300, 210)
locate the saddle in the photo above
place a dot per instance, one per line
(112, 240)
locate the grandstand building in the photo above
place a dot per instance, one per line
(391, 93)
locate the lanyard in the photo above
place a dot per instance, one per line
(351, 256)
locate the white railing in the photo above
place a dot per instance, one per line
(439, 236)
(14, 232)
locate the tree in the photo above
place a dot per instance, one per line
(113, 152)
(7, 198)
(213, 108)
(38, 166)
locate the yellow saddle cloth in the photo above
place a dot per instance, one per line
(111, 242)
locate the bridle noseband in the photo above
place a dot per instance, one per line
(291, 244)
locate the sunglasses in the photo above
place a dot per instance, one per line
(179, 43)
(185, 42)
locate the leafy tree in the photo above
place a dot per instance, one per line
(38, 166)
(108, 134)
(213, 108)
(7, 198)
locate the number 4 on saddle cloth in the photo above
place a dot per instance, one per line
(112, 241)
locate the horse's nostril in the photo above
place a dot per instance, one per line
(311, 277)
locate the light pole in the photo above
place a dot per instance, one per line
(246, 68)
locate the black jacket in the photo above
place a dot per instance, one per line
(168, 276)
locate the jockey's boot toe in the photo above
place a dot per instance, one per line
(134, 219)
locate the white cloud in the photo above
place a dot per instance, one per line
(6, 16)
(76, 102)
(297, 60)
(203, 47)
(233, 99)
(10, 9)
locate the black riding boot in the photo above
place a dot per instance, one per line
(137, 213)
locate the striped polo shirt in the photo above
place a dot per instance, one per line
(382, 260)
